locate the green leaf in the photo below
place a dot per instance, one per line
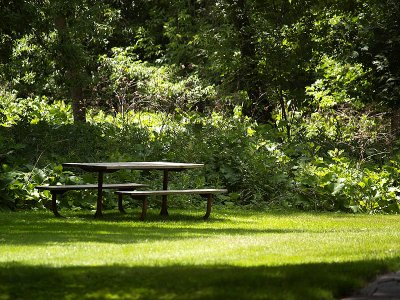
(339, 185)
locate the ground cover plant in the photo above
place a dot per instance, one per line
(238, 254)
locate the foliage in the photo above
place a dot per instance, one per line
(336, 184)
(130, 84)
(30, 70)
(340, 83)
(251, 160)
(33, 111)
(289, 103)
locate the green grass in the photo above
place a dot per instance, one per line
(235, 255)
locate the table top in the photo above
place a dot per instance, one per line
(150, 165)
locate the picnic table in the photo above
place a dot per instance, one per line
(109, 167)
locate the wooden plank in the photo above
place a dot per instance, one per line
(143, 195)
(61, 189)
(175, 192)
(89, 186)
(152, 165)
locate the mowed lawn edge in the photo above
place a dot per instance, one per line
(237, 254)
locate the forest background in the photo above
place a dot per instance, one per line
(291, 104)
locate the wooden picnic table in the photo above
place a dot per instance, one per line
(110, 167)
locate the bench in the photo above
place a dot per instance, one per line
(61, 189)
(143, 195)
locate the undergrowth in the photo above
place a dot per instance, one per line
(318, 168)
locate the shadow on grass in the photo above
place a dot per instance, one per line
(43, 228)
(308, 281)
(134, 216)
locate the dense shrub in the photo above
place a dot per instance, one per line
(259, 165)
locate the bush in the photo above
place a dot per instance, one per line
(339, 184)
(257, 163)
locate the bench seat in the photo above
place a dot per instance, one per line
(61, 189)
(143, 195)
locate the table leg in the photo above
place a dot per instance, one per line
(164, 205)
(120, 206)
(54, 204)
(144, 208)
(209, 204)
(99, 207)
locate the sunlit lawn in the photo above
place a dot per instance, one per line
(237, 254)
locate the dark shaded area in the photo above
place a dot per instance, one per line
(47, 230)
(186, 282)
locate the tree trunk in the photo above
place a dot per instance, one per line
(395, 123)
(78, 106)
(72, 67)
(248, 78)
(283, 111)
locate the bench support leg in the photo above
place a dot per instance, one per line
(54, 205)
(164, 205)
(209, 204)
(99, 207)
(120, 206)
(144, 208)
